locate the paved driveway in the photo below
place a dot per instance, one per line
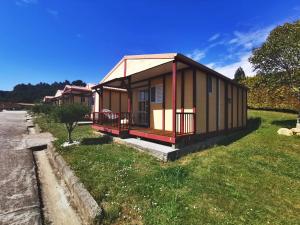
(19, 202)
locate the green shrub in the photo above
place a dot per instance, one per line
(70, 114)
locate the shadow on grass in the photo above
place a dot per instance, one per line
(252, 125)
(97, 141)
(285, 123)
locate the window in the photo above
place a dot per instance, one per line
(152, 93)
(157, 93)
(209, 85)
(82, 99)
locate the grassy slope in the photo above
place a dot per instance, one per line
(254, 180)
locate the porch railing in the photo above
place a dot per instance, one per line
(119, 120)
(185, 123)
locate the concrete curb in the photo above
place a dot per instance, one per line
(87, 207)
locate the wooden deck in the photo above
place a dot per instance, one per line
(144, 132)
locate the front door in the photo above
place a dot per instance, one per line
(142, 117)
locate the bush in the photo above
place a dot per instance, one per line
(70, 114)
(43, 108)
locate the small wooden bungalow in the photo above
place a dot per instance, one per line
(170, 98)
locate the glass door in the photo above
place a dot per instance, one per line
(142, 114)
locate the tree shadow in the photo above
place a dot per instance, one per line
(285, 123)
(97, 140)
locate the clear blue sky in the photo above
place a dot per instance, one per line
(43, 40)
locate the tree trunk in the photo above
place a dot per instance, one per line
(70, 136)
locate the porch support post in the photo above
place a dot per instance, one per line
(101, 99)
(149, 103)
(182, 103)
(194, 101)
(129, 100)
(164, 103)
(174, 92)
(120, 99)
(109, 99)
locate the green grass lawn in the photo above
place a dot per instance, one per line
(253, 178)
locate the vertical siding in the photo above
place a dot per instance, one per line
(230, 106)
(234, 107)
(240, 111)
(124, 102)
(245, 108)
(201, 102)
(168, 111)
(105, 99)
(212, 106)
(221, 105)
(188, 91)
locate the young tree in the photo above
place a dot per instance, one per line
(70, 114)
(280, 57)
(239, 74)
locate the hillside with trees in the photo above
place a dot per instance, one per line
(29, 93)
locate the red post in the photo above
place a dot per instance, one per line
(163, 103)
(174, 81)
(129, 100)
(182, 118)
(101, 99)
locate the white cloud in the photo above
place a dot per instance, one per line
(229, 70)
(197, 54)
(214, 37)
(251, 39)
(53, 12)
(26, 2)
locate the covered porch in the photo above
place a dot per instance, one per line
(153, 111)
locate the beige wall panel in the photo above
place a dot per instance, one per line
(245, 108)
(115, 101)
(96, 102)
(156, 112)
(124, 101)
(240, 108)
(201, 102)
(229, 106)
(221, 105)
(178, 90)
(105, 99)
(188, 91)
(168, 103)
(212, 107)
(234, 107)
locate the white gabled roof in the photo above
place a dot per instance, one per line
(132, 64)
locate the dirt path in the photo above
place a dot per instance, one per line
(57, 209)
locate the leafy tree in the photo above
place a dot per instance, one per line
(239, 74)
(70, 114)
(79, 83)
(279, 57)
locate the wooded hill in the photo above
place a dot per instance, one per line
(29, 93)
